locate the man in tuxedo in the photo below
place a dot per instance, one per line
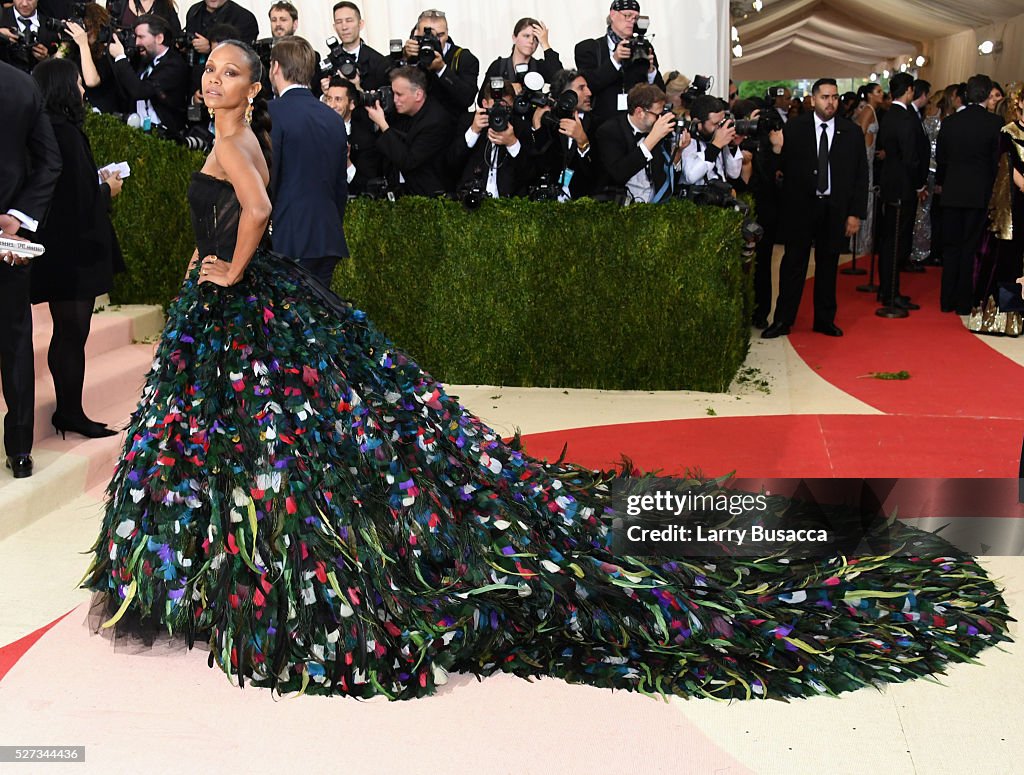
(634, 151)
(310, 186)
(902, 184)
(414, 148)
(824, 198)
(453, 74)
(371, 65)
(607, 63)
(966, 159)
(29, 170)
(714, 153)
(159, 90)
(563, 152)
(207, 13)
(24, 37)
(493, 158)
(363, 163)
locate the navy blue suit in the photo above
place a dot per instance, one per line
(310, 185)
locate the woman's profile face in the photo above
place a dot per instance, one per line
(226, 79)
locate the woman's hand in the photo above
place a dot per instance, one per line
(541, 31)
(113, 181)
(1020, 282)
(78, 34)
(217, 272)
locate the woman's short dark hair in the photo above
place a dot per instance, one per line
(58, 81)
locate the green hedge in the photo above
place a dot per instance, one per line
(579, 294)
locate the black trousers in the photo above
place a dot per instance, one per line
(763, 269)
(961, 229)
(17, 368)
(321, 268)
(826, 232)
(897, 243)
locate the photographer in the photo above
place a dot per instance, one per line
(635, 150)
(452, 72)
(27, 37)
(561, 143)
(613, 64)
(371, 67)
(765, 185)
(131, 10)
(413, 150)
(202, 16)
(527, 36)
(487, 156)
(363, 162)
(94, 61)
(160, 87)
(714, 153)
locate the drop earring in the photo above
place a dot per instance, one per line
(210, 110)
(248, 113)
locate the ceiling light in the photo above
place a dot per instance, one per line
(735, 34)
(990, 47)
(873, 77)
(737, 51)
(903, 68)
(758, 5)
(885, 73)
(921, 61)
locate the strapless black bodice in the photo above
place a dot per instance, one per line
(215, 209)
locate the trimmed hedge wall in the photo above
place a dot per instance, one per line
(579, 294)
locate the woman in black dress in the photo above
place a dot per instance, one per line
(527, 36)
(82, 253)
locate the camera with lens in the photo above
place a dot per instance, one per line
(262, 48)
(384, 96)
(430, 44)
(699, 86)
(639, 44)
(718, 193)
(338, 61)
(473, 193)
(545, 190)
(562, 107)
(379, 188)
(532, 96)
(499, 115)
(182, 42)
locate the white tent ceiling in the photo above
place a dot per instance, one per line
(797, 38)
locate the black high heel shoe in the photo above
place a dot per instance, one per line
(83, 427)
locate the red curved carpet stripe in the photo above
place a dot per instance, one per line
(953, 372)
(795, 446)
(12, 652)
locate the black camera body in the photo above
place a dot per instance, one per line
(429, 45)
(718, 193)
(262, 47)
(545, 190)
(338, 61)
(473, 193)
(564, 106)
(639, 45)
(499, 116)
(385, 96)
(699, 86)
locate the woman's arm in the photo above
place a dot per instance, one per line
(254, 216)
(90, 75)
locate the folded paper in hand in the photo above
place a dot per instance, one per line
(121, 167)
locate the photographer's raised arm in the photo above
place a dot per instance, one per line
(90, 75)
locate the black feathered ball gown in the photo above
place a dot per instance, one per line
(296, 489)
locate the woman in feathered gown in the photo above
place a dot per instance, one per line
(294, 488)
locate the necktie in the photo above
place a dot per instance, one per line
(26, 22)
(823, 160)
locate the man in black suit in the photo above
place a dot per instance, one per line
(563, 151)
(607, 63)
(494, 159)
(29, 169)
(207, 13)
(363, 163)
(371, 65)
(159, 90)
(634, 151)
(825, 196)
(903, 184)
(453, 74)
(24, 37)
(966, 159)
(310, 186)
(414, 148)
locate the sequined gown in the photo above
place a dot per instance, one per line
(297, 491)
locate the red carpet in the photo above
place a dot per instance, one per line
(953, 373)
(957, 416)
(12, 652)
